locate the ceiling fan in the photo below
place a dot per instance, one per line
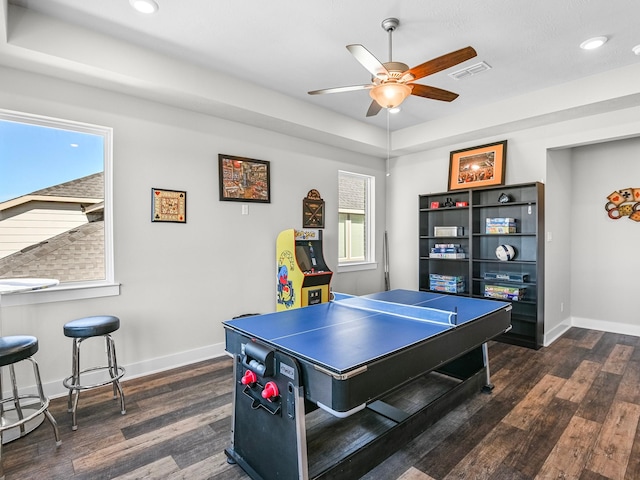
(392, 82)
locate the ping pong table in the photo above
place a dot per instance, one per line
(345, 356)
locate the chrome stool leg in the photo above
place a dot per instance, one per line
(74, 393)
(114, 372)
(16, 397)
(75, 368)
(45, 401)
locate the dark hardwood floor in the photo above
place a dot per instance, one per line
(567, 411)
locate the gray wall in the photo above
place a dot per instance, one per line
(558, 241)
(179, 281)
(580, 161)
(605, 253)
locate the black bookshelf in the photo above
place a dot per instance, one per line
(525, 272)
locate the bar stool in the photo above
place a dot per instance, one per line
(14, 349)
(80, 330)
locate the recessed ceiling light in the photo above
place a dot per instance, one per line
(595, 42)
(144, 6)
(636, 49)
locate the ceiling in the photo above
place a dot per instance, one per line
(293, 46)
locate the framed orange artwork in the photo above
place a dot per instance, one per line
(481, 166)
(243, 179)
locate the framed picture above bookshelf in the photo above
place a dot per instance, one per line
(475, 167)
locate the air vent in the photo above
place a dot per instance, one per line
(470, 71)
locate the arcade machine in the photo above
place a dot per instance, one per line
(303, 275)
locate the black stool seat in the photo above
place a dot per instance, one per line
(16, 348)
(91, 326)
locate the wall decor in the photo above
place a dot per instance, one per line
(481, 166)
(313, 210)
(624, 203)
(168, 205)
(243, 179)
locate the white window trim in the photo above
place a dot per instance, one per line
(356, 266)
(75, 290)
(61, 293)
(370, 264)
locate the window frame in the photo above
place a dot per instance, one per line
(369, 263)
(82, 289)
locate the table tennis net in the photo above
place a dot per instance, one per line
(424, 314)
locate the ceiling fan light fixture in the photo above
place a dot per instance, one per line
(593, 43)
(392, 82)
(390, 95)
(144, 6)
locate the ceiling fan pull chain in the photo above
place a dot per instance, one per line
(388, 142)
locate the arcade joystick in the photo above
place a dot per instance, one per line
(249, 378)
(270, 391)
(313, 255)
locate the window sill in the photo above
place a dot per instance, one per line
(61, 293)
(356, 267)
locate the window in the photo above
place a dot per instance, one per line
(55, 199)
(355, 218)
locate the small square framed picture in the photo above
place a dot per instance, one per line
(168, 205)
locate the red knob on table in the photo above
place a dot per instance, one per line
(270, 391)
(249, 378)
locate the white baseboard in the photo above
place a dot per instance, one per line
(592, 324)
(55, 388)
(555, 333)
(605, 326)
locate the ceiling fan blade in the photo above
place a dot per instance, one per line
(433, 93)
(441, 63)
(374, 109)
(350, 88)
(368, 61)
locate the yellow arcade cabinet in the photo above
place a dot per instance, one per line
(303, 276)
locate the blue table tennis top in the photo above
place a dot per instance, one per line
(341, 338)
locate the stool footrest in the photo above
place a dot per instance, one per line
(39, 410)
(67, 382)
